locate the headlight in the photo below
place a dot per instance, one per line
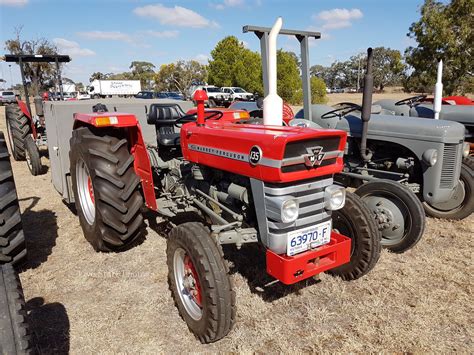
(289, 211)
(334, 197)
(466, 148)
(430, 157)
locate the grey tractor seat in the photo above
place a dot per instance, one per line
(164, 117)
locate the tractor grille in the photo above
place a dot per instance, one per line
(310, 195)
(293, 159)
(450, 165)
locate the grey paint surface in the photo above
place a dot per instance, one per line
(59, 124)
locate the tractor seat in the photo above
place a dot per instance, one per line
(164, 117)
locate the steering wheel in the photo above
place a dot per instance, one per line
(215, 115)
(410, 101)
(343, 109)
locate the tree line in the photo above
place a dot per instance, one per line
(444, 31)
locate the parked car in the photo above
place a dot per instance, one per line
(146, 95)
(170, 95)
(215, 95)
(337, 91)
(82, 95)
(7, 97)
(238, 93)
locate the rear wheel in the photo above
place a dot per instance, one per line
(32, 155)
(398, 213)
(106, 189)
(461, 204)
(14, 331)
(355, 222)
(12, 239)
(18, 126)
(469, 163)
(199, 282)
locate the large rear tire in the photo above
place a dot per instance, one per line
(355, 221)
(33, 158)
(106, 189)
(12, 239)
(397, 211)
(14, 331)
(465, 208)
(18, 127)
(469, 163)
(199, 282)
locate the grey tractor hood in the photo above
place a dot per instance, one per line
(458, 113)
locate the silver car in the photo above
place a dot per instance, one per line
(7, 97)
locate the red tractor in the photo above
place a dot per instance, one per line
(219, 181)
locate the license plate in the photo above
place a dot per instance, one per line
(308, 238)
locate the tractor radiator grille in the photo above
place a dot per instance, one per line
(450, 162)
(293, 159)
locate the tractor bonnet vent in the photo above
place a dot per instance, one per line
(299, 155)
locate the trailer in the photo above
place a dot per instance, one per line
(109, 88)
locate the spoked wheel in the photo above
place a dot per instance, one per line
(461, 204)
(355, 222)
(199, 282)
(397, 211)
(32, 156)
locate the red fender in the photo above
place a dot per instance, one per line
(141, 162)
(25, 111)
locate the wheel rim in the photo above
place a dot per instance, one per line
(187, 284)
(28, 160)
(455, 202)
(391, 215)
(85, 191)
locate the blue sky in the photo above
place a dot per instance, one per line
(107, 35)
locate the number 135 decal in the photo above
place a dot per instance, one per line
(255, 155)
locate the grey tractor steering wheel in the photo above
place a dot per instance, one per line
(344, 109)
(410, 101)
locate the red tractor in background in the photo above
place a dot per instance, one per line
(27, 131)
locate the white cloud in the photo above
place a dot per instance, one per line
(228, 3)
(72, 48)
(18, 3)
(338, 18)
(201, 58)
(106, 35)
(177, 16)
(162, 34)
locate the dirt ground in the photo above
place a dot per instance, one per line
(80, 301)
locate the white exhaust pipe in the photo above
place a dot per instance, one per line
(272, 103)
(438, 94)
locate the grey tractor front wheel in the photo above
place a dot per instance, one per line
(461, 204)
(397, 211)
(199, 281)
(355, 221)
(106, 189)
(14, 331)
(33, 158)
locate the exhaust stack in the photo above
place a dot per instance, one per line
(367, 105)
(273, 104)
(438, 91)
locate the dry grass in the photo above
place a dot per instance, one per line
(85, 302)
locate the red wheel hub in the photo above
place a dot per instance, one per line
(91, 190)
(195, 289)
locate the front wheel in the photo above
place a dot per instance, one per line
(199, 282)
(18, 127)
(397, 212)
(461, 204)
(106, 189)
(355, 222)
(33, 158)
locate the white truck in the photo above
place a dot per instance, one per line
(238, 93)
(109, 88)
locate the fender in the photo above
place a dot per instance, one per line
(25, 111)
(141, 162)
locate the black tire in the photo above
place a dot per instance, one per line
(400, 204)
(355, 221)
(18, 126)
(466, 208)
(14, 331)
(217, 297)
(32, 156)
(469, 163)
(114, 222)
(212, 103)
(12, 239)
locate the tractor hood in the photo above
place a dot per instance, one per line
(381, 126)
(456, 113)
(404, 127)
